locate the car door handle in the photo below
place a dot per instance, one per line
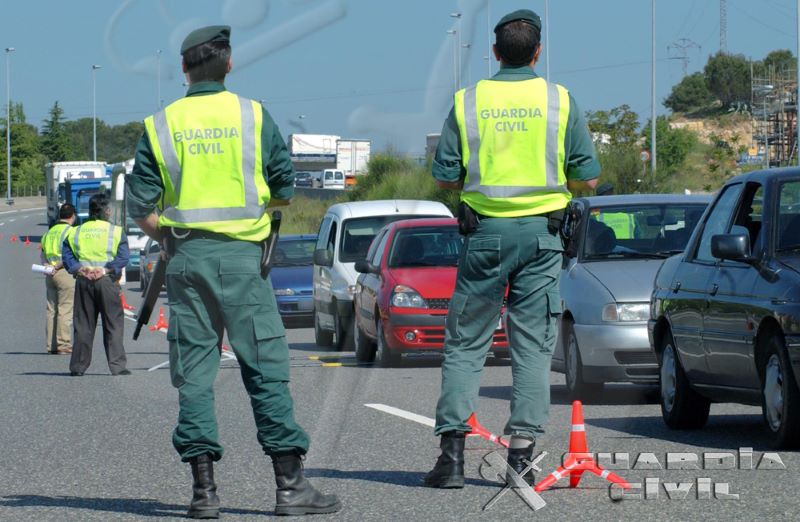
(713, 290)
(676, 287)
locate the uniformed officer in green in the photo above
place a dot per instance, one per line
(206, 169)
(515, 146)
(60, 284)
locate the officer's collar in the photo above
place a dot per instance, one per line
(525, 70)
(200, 88)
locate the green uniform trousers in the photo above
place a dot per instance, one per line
(522, 254)
(215, 286)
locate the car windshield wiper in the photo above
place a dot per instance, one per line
(631, 255)
(789, 248)
(669, 253)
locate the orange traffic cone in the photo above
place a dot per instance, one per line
(161, 324)
(13, 238)
(479, 431)
(578, 459)
(28, 241)
(125, 305)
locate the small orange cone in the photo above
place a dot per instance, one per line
(479, 431)
(578, 459)
(125, 305)
(161, 324)
(13, 238)
(28, 241)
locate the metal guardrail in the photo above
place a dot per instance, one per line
(318, 193)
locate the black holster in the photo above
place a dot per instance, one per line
(468, 219)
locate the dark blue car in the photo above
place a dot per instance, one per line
(291, 276)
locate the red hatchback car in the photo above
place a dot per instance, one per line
(404, 290)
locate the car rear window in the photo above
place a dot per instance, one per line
(358, 233)
(657, 230)
(294, 252)
(426, 246)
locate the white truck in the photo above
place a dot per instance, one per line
(352, 156)
(136, 238)
(56, 174)
(312, 144)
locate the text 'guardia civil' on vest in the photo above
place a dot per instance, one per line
(215, 133)
(504, 114)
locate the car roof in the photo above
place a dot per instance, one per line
(387, 207)
(765, 175)
(425, 222)
(645, 199)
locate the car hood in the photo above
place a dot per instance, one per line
(792, 262)
(430, 282)
(294, 277)
(629, 280)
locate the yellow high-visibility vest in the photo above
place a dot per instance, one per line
(512, 146)
(95, 243)
(52, 241)
(208, 150)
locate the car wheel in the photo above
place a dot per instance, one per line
(343, 333)
(577, 387)
(781, 398)
(681, 406)
(321, 337)
(365, 348)
(387, 357)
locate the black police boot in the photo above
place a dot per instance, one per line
(519, 459)
(205, 502)
(295, 494)
(448, 473)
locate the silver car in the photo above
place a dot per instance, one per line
(618, 244)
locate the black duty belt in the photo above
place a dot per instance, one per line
(185, 234)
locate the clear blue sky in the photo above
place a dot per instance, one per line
(373, 69)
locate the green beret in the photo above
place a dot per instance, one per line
(521, 14)
(212, 33)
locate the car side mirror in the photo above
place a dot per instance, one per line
(363, 266)
(734, 247)
(323, 257)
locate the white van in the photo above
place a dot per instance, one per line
(344, 237)
(333, 179)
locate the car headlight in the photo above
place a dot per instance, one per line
(284, 291)
(406, 297)
(625, 312)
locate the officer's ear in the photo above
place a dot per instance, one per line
(496, 53)
(537, 53)
(184, 68)
(230, 65)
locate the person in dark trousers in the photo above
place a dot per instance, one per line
(515, 146)
(95, 253)
(206, 170)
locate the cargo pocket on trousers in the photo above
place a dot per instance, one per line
(175, 277)
(483, 256)
(550, 242)
(241, 280)
(272, 350)
(554, 309)
(175, 359)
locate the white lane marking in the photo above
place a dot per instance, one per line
(391, 410)
(130, 318)
(12, 220)
(23, 210)
(1, 224)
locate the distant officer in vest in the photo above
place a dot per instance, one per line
(515, 146)
(207, 168)
(95, 253)
(60, 285)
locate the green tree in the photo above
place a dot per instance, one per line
(27, 163)
(780, 60)
(728, 78)
(690, 94)
(55, 143)
(616, 132)
(673, 146)
(721, 161)
(617, 126)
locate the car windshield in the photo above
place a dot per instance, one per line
(641, 231)
(358, 233)
(426, 246)
(303, 175)
(294, 252)
(789, 218)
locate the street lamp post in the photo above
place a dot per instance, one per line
(489, 34)
(458, 64)
(469, 72)
(653, 98)
(453, 33)
(94, 111)
(9, 50)
(158, 78)
(547, 40)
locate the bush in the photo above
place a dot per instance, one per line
(690, 94)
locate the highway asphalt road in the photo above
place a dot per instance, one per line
(98, 447)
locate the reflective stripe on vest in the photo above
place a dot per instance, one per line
(52, 241)
(502, 130)
(99, 250)
(208, 151)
